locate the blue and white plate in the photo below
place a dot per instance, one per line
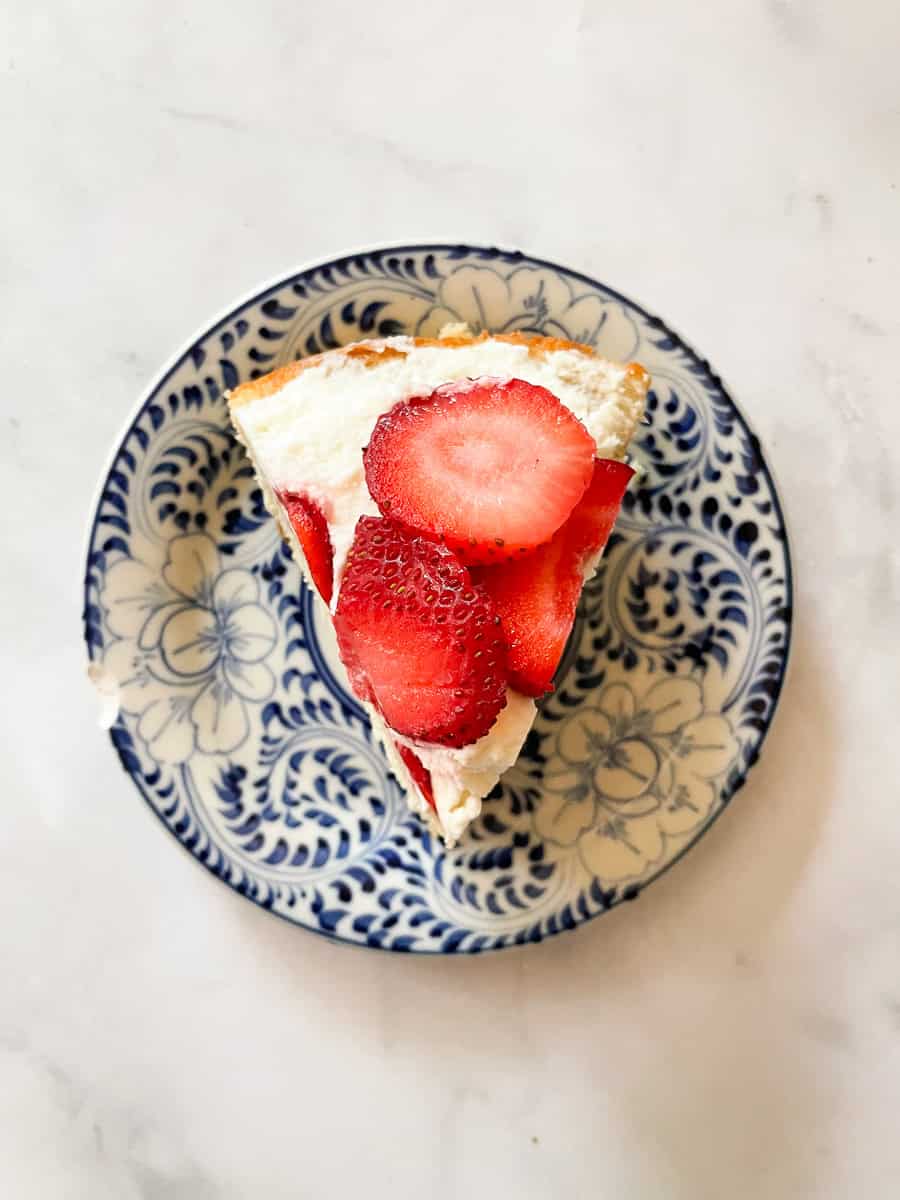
(235, 722)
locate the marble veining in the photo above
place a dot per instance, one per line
(736, 1030)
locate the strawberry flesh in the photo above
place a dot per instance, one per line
(537, 596)
(309, 524)
(491, 467)
(419, 640)
(419, 773)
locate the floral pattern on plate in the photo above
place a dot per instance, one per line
(192, 650)
(629, 772)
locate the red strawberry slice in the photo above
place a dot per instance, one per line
(309, 524)
(536, 596)
(492, 467)
(420, 774)
(420, 641)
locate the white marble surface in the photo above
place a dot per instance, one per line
(735, 1033)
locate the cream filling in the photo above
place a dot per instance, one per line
(461, 778)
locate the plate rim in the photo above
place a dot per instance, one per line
(511, 254)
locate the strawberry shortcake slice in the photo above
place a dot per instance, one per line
(447, 498)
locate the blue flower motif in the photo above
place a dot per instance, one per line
(191, 648)
(531, 300)
(633, 772)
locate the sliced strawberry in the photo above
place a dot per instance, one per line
(419, 773)
(308, 522)
(536, 596)
(419, 640)
(490, 466)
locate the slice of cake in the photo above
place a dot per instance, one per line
(447, 498)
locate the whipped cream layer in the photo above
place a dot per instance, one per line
(460, 778)
(309, 436)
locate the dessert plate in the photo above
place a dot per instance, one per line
(233, 717)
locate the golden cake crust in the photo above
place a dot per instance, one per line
(374, 353)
